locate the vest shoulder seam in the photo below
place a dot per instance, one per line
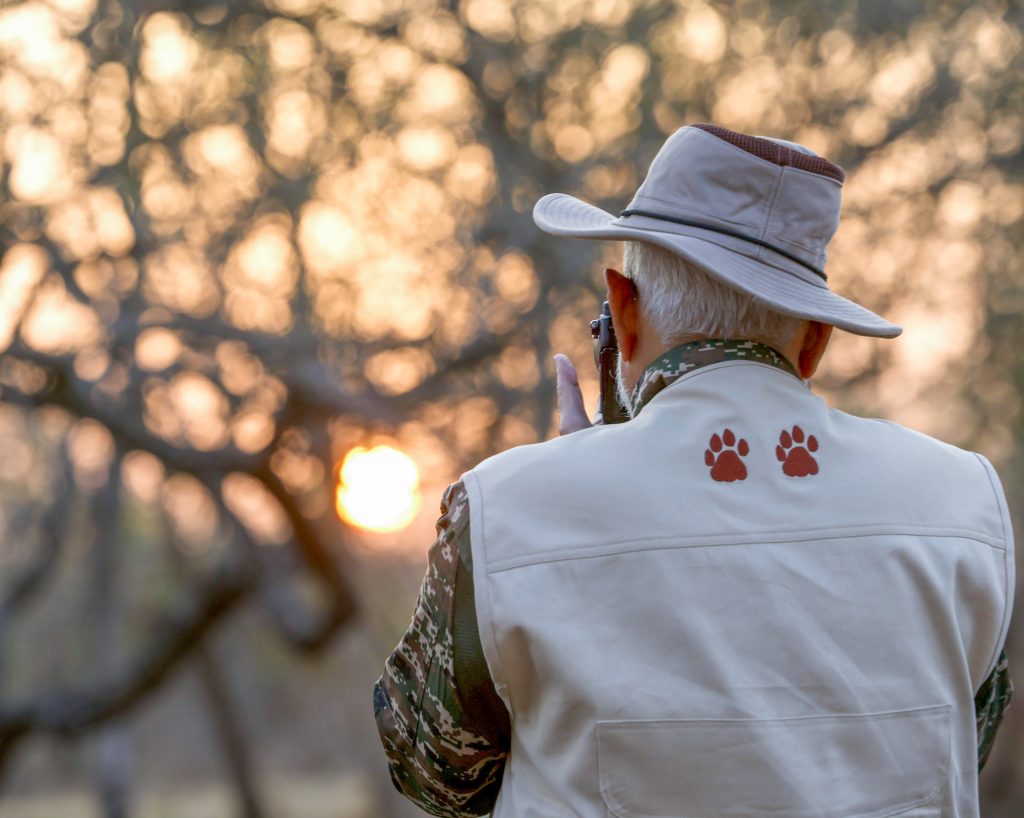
(482, 590)
(726, 540)
(1008, 578)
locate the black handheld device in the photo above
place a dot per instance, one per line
(606, 356)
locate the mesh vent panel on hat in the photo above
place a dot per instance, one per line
(775, 153)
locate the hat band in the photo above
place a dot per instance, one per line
(725, 232)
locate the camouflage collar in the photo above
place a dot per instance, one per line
(678, 361)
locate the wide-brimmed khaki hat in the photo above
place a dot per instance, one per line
(756, 213)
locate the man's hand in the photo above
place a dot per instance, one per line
(572, 413)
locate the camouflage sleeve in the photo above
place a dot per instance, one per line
(444, 730)
(990, 702)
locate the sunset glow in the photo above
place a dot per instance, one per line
(378, 489)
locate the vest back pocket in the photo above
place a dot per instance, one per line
(837, 766)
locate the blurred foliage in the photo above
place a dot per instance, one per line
(242, 237)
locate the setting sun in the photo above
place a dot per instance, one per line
(378, 489)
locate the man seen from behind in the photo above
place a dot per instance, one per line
(739, 603)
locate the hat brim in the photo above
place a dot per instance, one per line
(785, 287)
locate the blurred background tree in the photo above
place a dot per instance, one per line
(241, 239)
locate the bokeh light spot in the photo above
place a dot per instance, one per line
(379, 489)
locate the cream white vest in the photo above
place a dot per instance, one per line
(672, 645)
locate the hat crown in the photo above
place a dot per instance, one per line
(781, 196)
(778, 151)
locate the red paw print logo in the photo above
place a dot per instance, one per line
(723, 456)
(795, 454)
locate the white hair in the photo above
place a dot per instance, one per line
(680, 300)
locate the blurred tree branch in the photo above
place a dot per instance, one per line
(38, 567)
(73, 711)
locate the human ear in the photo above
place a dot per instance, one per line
(813, 347)
(625, 307)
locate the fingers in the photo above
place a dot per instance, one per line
(572, 413)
